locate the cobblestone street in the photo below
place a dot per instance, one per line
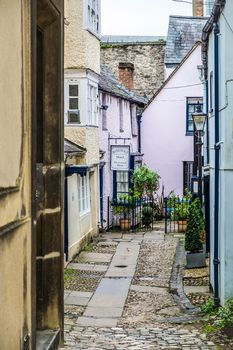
(127, 302)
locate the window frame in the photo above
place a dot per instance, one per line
(71, 82)
(92, 104)
(84, 198)
(93, 26)
(121, 115)
(116, 182)
(199, 100)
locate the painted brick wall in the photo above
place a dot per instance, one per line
(148, 61)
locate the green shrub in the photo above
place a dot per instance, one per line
(195, 226)
(145, 181)
(209, 307)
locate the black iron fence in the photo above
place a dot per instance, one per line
(131, 213)
(175, 213)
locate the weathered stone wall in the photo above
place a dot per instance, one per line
(82, 48)
(148, 60)
(87, 137)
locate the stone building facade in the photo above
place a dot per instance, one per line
(144, 54)
(31, 174)
(82, 69)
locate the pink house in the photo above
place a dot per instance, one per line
(167, 126)
(119, 125)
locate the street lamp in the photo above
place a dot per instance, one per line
(199, 119)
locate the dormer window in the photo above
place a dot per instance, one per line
(93, 16)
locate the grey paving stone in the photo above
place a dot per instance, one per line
(111, 293)
(103, 312)
(78, 298)
(95, 257)
(84, 267)
(148, 289)
(96, 322)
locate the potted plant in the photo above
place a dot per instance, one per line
(181, 211)
(195, 255)
(122, 207)
(147, 216)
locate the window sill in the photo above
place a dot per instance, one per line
(189, 133)
(84, 213)
(94, 33)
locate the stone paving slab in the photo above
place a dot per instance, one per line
(124, 261)
(111, 293)
(148, 289)
(103, 312)
(196, 289)
(96, 322)
(83, 267)
(78, 298)
(95, 257)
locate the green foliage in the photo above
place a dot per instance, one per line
(219, 318)
(105, 46)
(224, 315)
(180, 206)
(146, 181)
(195, 227)
(123, 205)
(209, 307)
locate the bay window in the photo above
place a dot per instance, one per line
(93, 16)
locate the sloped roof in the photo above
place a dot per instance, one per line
(73, 148)
(133, 39)
(110, 84)
(183, 33)
(173, 73)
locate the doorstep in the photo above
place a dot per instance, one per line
(47, 340)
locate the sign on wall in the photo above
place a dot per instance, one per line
(120, 158)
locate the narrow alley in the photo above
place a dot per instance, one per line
(122, 294)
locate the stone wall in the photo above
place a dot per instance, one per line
(82, 48)
(148, 61)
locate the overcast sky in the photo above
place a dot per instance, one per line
(140, 17)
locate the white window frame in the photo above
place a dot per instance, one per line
(92, 97)
(92, 17)
(69, 83)
(84, 194)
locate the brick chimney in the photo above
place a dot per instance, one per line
(126, 75)
(198, 8)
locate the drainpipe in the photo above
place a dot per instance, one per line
(207, 124)
(139, 133)
(216, 171)
(66, 243)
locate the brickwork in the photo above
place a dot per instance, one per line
(148, 61)
(198, 8)
(126, 75)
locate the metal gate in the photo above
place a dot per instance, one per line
(175, 214)
(131, 214)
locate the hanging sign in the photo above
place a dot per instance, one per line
(120, 158)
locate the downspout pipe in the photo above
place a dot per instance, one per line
(207, 123)
(217, 164)
(66, 228)
(139, 119)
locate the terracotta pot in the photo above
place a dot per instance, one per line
(182, 225)
(125, 224)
